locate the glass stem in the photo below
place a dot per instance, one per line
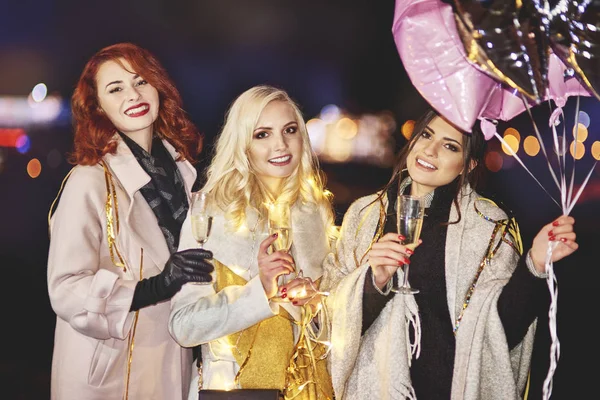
(405, 269)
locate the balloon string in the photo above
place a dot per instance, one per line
(555, 343)
(516, 157)
(542, 147)
(568, 202)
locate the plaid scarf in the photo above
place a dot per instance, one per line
(165, 193)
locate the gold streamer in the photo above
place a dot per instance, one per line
(112, 225)
(268, 358)
(132, 334)
(502, 227)
(263, 350)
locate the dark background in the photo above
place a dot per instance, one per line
(321, 52)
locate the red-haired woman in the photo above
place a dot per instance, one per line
(113, 264)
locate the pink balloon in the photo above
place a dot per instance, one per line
(434, 58)
(505, 104)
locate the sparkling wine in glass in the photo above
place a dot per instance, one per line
(280, 222)
(201, 220)
(409, 217)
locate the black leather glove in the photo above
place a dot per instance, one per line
(182, 267)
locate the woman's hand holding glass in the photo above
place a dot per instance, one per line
(272, 266)
(387, 255)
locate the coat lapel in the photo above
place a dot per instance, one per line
(139, 217)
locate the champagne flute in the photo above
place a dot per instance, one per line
(280, 222)
(201, 220)
(409, 219)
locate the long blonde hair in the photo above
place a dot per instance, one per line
(230, 179)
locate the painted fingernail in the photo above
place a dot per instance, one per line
(409, 252)
(550, 233)
(564, 240)
(401, 237)
(284, 290)
(404, 261)
(283, 296)
(552, 238)
(555, 223)
(275, 235)
(295, 303)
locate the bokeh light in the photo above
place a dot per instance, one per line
(531, 145)
(388, 120)
(330, 113)
(493, 161)
(34, 168)
(561, 148)
(407, 128)
(39, 92)
(512, 142)
(584, 119)
(580, 149)
(512, 132)
(346, 128)
(317, 130)
(54, 158)
(23, 144)
(582, 132)
(595, 150)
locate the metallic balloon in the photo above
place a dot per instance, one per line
(507, 39)
(575, 38)
(435, 60)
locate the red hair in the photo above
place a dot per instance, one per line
(94, 131)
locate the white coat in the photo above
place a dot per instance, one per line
(199, 315)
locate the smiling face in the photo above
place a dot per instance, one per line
(437, 157)
(128, 100)
(276, 145)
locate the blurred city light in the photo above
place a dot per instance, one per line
(346, 128)
(531, 145)
(560, 151)
(23, 111)
(581, 133)
(578, 147)
(595, 150)
(584, 119)
(23, 144)
(511, 142)
(10, 137)
(54, 158)
(512, 132)
(407, 128)
(34, 168)
(330, 113)
(39, 92)
(338, 137)
(493, 161)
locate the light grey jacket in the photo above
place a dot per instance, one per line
(377, 364)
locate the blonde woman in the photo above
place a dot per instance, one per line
(263, 154)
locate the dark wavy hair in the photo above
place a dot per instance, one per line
(94, 131)
(474, 145)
